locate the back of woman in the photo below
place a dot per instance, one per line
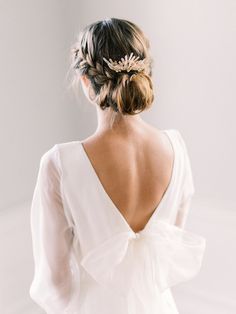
(134, 169)
(108, 212)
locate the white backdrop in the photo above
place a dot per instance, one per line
(194, 48)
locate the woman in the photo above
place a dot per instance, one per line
(108, 212)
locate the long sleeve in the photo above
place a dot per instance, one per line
(52, 239)
(188, 188)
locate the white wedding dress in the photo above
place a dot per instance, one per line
(87, 258)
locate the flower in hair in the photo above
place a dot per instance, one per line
(127, 64)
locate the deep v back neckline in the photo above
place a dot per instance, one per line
(114, 207)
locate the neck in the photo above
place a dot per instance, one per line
(112, 122)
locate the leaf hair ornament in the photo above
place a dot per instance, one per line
(127, 64)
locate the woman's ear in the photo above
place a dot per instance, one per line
(85, 80)
(86, 85)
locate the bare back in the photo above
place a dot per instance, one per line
(134, 171)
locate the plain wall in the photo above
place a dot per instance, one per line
(36, 110)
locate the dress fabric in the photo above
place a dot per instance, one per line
(87, 258)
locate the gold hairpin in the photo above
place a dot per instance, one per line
(127, 64)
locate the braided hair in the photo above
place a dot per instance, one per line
(125, 92)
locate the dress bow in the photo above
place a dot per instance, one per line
(140, 266)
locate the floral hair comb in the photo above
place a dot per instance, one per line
(127, 64)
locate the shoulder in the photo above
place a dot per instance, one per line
(180, 140)
(63, 158)
(49, 157)
(187, 164)
(183, 149)
(176, 138)
(48, 165)
(53, 154)
(176, 133)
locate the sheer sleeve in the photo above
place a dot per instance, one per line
(52, 238)
(188, 188)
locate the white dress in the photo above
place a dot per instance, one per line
(87, 258)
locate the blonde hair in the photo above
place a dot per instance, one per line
(125, 92)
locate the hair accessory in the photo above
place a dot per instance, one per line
(126, 64)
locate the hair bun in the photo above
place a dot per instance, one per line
(125, 86)
(133, 94)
